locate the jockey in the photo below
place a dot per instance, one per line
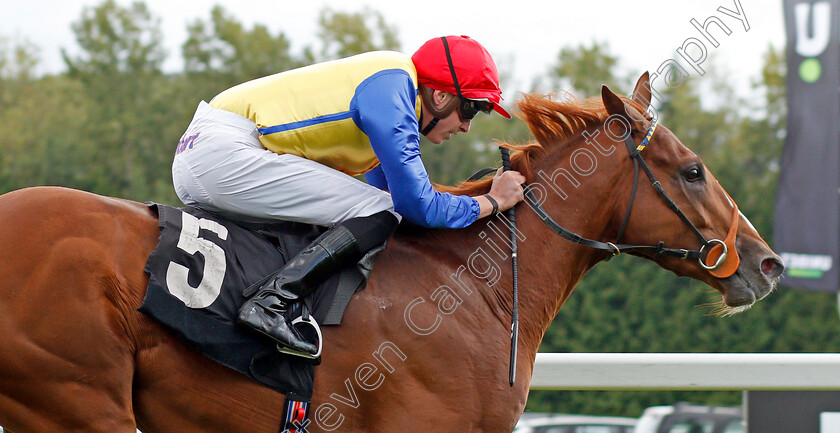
(286, 147)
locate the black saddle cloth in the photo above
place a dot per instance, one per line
(198, 272)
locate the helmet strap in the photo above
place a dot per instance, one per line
(430, 126)
(452, 68)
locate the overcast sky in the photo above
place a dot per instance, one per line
(524, 36)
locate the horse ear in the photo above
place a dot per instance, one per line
(613, 104)
(641, 93)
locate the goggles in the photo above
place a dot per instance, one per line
(468, 108)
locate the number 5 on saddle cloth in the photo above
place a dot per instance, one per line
(199, 271)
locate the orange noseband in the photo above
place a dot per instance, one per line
(723, 255)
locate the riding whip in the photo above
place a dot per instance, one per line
(514, 318)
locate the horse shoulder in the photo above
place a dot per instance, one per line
(419, 321)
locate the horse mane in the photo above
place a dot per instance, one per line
(552, 123)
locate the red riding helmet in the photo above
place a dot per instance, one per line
(461, 66)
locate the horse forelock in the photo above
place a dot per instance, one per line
(553, 123)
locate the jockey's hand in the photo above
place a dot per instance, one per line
(506, 190)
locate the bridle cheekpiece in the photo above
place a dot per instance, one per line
(721, 254)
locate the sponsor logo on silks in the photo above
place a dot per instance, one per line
(186, 143)
(807, 265)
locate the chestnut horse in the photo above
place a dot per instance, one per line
(424, 347)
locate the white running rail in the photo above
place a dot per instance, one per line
(687, 371)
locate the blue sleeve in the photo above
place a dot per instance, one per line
(384, 106)
(376, 177)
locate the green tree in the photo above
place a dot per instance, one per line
(119, 70)
(585, 68)
(49, 153)
(116, 40)
(16, 62)
(344, 34)
(18, 59)
(227, 53)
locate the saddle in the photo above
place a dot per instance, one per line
(197, 275)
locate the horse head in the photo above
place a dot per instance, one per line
(691, 211)
(658, 200)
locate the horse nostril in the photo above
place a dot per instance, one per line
(772, 267)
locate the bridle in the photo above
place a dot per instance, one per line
(721, 254)
(716, 251)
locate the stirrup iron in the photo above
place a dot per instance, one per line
(311, 322)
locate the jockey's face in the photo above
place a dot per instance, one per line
(447, 127)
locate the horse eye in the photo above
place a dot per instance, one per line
(693, 174)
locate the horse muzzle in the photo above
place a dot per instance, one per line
(758, 274)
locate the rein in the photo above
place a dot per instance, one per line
(718, 250)
(514, 312)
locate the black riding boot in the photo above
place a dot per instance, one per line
(265, 311)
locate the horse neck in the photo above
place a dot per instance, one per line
(549, 266)
(589, 200)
